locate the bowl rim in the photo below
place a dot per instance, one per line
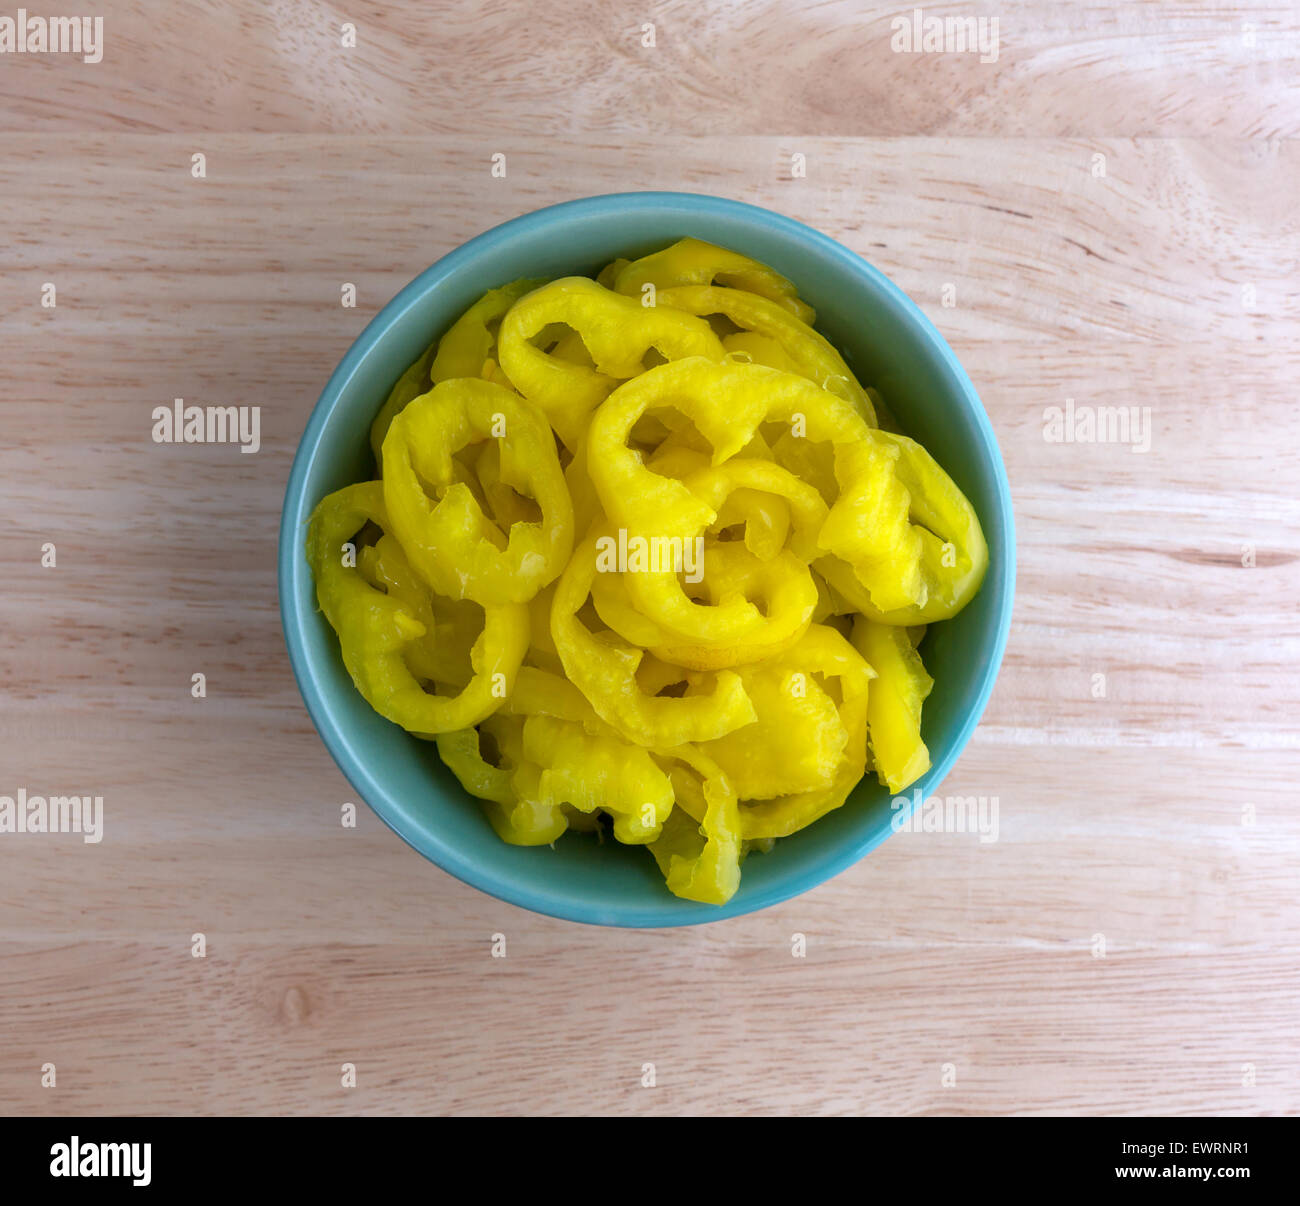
(291, 567)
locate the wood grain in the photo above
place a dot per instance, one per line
(1159, 816)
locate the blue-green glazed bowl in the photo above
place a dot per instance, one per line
(890, 345)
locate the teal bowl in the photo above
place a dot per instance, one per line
(890, 345)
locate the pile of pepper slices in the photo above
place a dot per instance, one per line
(679, 396)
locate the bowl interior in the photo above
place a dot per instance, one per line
(887, 342)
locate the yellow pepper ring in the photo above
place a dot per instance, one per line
(700, 847)
(461, 352)
(471, 340)
(762, 508)
(442, 655)
(617, 332)
(510, 793)
(798, 742)
(870, 525)
(812, 355)
(867, 524)
(822, 651)
(605, 671)
(894, 710)
(717, 483)
(954, 554)
(726, 402)
(589, 771)
(449, 542)
(375, 630)
(693, 262)
(763, 518)
(783, 583)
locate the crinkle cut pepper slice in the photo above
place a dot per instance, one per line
(604, 668)
(694, 262)
(954, 554)
(462, 352)
(812, 354)
(617, 332)
(822, 651)
(449, 542)
(375, 630)
(894, 711)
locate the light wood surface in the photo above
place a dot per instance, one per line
(1169, 282)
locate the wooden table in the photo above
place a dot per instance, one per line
(1113, 203)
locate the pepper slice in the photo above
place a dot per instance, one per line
(509, 791)
(867, 524)
(589, 771)
(749, 492)
(753, 348)
(764, 520)
(954, 554)
(609, 273)
(894, 711)
(472, 338)
(726, 403)
(540, 692)
(823, 651)
(812, 355)
(694, 262)
(797, 743)
(410, 385)
(804, 509)
(442, 655)
(700, 847)
(617, 333)
(604, 668)
(462, 352)
(449, 542)
(375, 630)
(729, 570)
